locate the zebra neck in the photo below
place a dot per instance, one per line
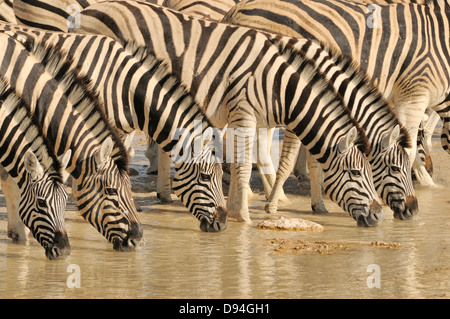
(364, 102)
(16, 139)
(19, 133)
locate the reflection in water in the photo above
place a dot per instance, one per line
(177, 260)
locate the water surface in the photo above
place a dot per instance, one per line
(177, 260)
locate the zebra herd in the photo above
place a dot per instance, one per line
(79, 77)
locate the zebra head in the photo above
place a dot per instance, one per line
(43, 204)
(348, 181)
(392, 175)
(104, 199)
(198, 183)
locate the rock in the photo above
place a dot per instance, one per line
(290, 224)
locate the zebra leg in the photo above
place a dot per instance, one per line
(291, 146)
(316, 182)
(265, 164)
(240, 169)
(421, 173)
(163, 188)
(152, 155)
(410, 114)
(17, 231)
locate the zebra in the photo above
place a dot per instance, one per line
(135, 78)
(234, 66)
(70, 118)
(27, 157)
(54, 15)
(388, 138)
(401, 46)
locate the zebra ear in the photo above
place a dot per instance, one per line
(348, 140)
(32, 165)
(65, 159)
(390, 139)
(102, 156)
(201, 141)
(197, 147)
(127, 143)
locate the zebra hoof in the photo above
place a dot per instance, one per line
(319, 209)
(270, 209)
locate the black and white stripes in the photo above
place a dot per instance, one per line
(240, 78)
(70, 118)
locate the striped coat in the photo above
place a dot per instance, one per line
(402, 46)
(70, 119)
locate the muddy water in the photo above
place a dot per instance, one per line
(398, 259)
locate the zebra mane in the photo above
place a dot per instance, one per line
(291, 52)
(79, 90)
(46, 155)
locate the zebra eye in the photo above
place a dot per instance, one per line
(355, 172)
(42, 203)
(205, 177)
(111, 191)
(395, 169)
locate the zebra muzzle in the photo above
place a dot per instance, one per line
(218, 223)
(60, 248)
(404, 210)
(133, 238)
(369, 218)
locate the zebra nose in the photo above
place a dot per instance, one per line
(407, 209)
(372, 218)
(133, 237)
(60, 248)
(218, 223)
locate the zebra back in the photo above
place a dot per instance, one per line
(238, 71)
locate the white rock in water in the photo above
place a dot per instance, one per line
(290, 224)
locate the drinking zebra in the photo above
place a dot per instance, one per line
(402, 47)
(27, 157)
(139, 94)
(387, 137)
(70, 118)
